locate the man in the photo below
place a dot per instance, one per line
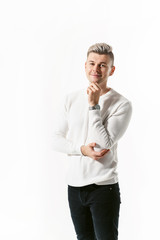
(88, 129)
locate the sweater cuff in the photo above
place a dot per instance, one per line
(75, 150)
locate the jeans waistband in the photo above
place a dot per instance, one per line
(95, 186)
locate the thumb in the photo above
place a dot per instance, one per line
(92, 144)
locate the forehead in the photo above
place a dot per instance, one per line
(98, 58)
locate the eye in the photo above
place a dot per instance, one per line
(91, 64)
(102, 65)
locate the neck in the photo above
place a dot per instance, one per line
(105, 90)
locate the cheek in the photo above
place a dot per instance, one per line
(89, 70)
(106, 73)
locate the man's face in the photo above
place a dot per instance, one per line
(98, 68)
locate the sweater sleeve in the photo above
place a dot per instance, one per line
(60, 143)
(105, 134)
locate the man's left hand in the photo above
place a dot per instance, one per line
(93, 92)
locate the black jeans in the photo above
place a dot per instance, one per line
(95, 211)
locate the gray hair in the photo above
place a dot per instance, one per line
(102, 48)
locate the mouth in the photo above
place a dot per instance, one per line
(95, 75)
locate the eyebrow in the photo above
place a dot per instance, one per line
(99, 63)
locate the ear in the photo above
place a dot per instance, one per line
(85, 64)
(112, 71)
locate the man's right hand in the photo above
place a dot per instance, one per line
(89, 151)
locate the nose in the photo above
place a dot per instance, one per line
(96, 68)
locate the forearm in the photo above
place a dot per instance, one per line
(63, 145)
(97, 131)
(107, 132)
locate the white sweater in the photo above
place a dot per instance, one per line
(76, 125)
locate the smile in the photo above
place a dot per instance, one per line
(95, 75)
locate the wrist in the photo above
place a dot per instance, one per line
(91, 104)
(97, 106)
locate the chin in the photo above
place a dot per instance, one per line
(95, 80)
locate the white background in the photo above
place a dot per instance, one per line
(43, 47)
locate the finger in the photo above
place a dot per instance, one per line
(89, 90)
(93, 88)
(99, 157)
(105, 150)
(98, 154)
(101, 153)
(104, 153)
(96, 86)
(92, 144)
